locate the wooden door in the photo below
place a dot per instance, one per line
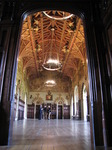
(59, 111)
(66, 111)
(53, 111)
(30, 111)
(37, 111)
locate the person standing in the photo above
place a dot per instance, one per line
(40, 112)
(49, 113)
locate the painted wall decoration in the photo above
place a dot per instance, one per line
(49, 96)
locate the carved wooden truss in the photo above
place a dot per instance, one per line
(37, 42)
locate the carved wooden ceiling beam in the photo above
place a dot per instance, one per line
(71, 65)
(32, 42)
(42, 33)
(79, 67)
(70, 74)
(71, 44)
(62, 35)
(47, 40)
(78, 52)
(32, 70)
(28, 63)
(23, 51)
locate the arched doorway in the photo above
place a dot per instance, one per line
(91, 54)
(60, 109)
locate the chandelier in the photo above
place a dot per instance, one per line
(52, 65)
(50, 83)
(51, 62)
(57, 15)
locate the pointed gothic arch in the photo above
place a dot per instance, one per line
(96, 62)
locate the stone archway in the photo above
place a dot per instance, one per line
(59, 101)
(37, 100)
(10, 34)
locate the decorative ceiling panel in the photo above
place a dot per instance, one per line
(43, 36)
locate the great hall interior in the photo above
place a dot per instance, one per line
(56, 74)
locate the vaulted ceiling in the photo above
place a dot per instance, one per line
(43, 36)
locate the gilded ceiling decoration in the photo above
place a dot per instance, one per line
(56, 35)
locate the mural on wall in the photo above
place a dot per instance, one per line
(38, 84)
(40, 97)
(21, 81)
(61, 100)
(37, 99)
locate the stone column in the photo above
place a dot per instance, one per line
(25, 108)
(10, 24)
(88, 106)
(104, 55)
(63, 111)
(71, 108)
(35, 110)
(94, 85)
(17, 105)
(73, 105)
(57, 110)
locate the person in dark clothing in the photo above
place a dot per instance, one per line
(40, 112)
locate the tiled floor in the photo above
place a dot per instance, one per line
(50, 135)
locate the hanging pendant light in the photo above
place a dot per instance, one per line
(50, 83)
(58, 15)
(52, 64)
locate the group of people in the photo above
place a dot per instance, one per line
(44, 113)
